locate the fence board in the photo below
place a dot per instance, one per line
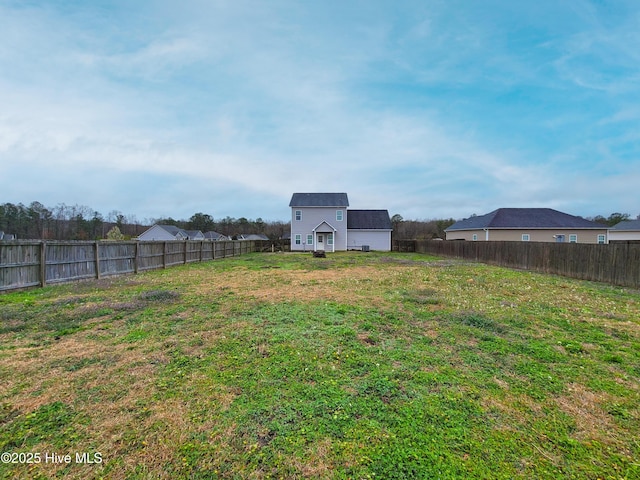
(117, 258)
(615, 263)
(28, 263)
(19, 265)
(150, 255)
(69, 261)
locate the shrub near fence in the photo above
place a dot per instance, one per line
(37, 263)
(618, 264)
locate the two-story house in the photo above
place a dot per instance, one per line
(322, 221)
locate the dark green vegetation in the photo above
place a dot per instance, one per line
(354, 366)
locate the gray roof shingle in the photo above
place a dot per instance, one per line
(368, 220)
(626, 225)
(173, 230)
(319, 200)
(525, 218)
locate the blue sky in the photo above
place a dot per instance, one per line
(430, 109)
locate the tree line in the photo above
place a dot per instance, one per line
(64, 222)
(79, 222)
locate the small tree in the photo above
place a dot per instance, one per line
(115, 234)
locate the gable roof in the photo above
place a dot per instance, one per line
(211, 235)
(320, 228)
(169, 232)
(173, 230)
(253, 236)
(368, 220)
(507, 218)
(194, 234)
(626, 225)
(319, 200)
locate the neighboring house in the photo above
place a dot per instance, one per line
(626, 230)
(215, 236)
(253, 236)
(528, 225)
(322, 221)
(195, 234)
(170, 232)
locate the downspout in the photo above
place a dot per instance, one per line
(486, 234)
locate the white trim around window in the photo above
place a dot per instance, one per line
(602, 238)
(526, 237)
(298, 215)
(573, 238)
(309, 239)
(298, 239)
(474, 237)
(339, 215)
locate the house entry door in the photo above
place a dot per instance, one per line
(320, 242)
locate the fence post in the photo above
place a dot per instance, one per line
(135, 257)
(43, 263)
(164, 255)
(185, 252)
(96, 252)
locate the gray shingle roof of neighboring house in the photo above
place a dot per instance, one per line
(211, 235)
(368, 220)
(525, 218)
(194, 234)
(626, 225)
(173, 230)
(253, 236)
(319, 200)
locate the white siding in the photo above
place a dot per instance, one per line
(311, 218)
(624, 235)
(377, 240)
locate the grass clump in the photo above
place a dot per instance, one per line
(164, 296)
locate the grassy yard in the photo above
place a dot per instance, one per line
(354, 366)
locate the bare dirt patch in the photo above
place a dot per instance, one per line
(353, 286)
(585, 408)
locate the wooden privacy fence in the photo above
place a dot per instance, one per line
(38, 263)
(617, 264)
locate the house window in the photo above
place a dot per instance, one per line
(559, 238)
(329, 238)
(298, 215)
(573, 238)
(601, 238)
(526, 237)
(298, 239)
(475, 237)
(309, 239)
(339, 215)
